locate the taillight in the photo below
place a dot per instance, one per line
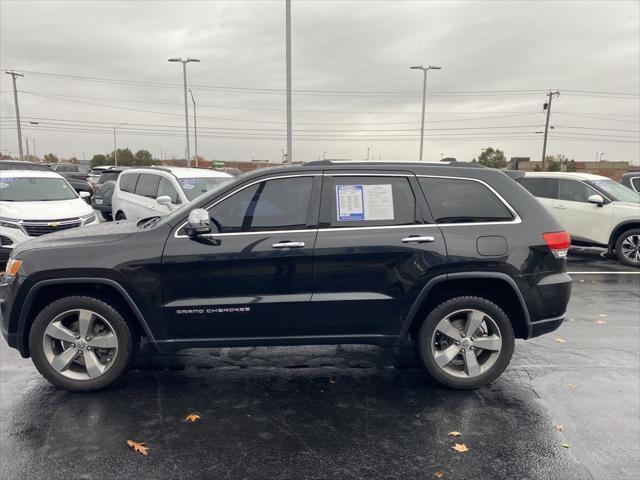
(558, 243)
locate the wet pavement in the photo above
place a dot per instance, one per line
(350, 411)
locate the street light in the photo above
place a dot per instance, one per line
(195, 126)
(186, 105)
(115, 148)
(424, 97)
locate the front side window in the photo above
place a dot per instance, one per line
(147, 185)
(541, 187)
(463, 201)
(280, 204)
(128, 182)
(165, 188)
(14, 189)
(574, 191)
(360, 201)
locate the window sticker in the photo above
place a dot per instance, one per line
(364, 202)
(188, 183)
(6, 182)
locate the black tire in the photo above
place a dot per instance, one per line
(121, 329)
(449, 307)
(621, 238)
(120, 216)
(107, 216)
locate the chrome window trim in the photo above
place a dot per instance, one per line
(264, 179)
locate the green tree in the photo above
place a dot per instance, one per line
(50, 158)
(558, 163)
(143, 158)
(99, 159)
(492, 158)
(126, 158)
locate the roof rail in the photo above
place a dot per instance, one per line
(320, 163)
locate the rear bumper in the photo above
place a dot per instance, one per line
(548, 305)
(546, 325)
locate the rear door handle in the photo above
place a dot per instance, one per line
(288, 245)
(418, 239)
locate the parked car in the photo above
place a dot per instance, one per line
(463, 260)
(36, 202)
(103, 191)
(631, 180)
(147, 192)
(22, 165)
(94, 174)
(597, 211)
(80, 170)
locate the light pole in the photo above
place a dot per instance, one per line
(186, 105)
(424, 97)
(600, 156)
(288, 80)
(195, 126)
(15, 99)
(115, 147)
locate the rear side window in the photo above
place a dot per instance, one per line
(463, 201)
(128, 182)
(147, 185)
(108, 176)
(636, 183)
(541, 187)
(361, 201)
(281, 204)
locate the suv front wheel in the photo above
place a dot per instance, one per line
(80, 343)
(628, 247)
(466, 342)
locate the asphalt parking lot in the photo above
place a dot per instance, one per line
(350, 411)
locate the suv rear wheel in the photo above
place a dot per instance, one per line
(466, 342)
(628, 247)
(120, 216)
(80, 343)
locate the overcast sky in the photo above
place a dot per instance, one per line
(353, 89)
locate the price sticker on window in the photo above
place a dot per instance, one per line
(364, 202)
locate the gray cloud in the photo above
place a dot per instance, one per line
(346, 46)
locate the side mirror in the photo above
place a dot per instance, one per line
(84, 195)
(198, 222)
(164, 200)
(597, 199)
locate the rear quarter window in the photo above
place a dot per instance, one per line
(463, 201)
(128, 182)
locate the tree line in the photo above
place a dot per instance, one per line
(495, 158)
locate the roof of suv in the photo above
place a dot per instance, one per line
(181, 172)
(30, 173)
(572, 175)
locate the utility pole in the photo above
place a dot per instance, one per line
(26, 142)
(546, 126)
(195, 126)
(288, 61)
(15, 99)
(368, 148)
(186, 104)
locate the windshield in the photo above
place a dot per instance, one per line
(194, 187)
(14, 189)
(616, 191)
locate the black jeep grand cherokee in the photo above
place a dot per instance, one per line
(463, 260)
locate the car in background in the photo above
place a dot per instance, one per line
(94, 174)
(80, 170)
(23, 165)
(37, 202)
(597, 211)
(631, 180)
(103, 191)
(157, 191)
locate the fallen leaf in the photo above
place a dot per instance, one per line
(600, 322)
(559, 428)
(581, 281)
(439, 474)
(192, 417)
(572, 385)
(454, 434)
(560, 340)
(571, 320)
(460, 447)
(138, 447)
(565, 445)
(604, 315)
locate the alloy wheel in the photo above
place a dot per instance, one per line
(630, 248)
(466, 343)
(80, 344)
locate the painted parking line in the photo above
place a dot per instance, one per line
(603, 273)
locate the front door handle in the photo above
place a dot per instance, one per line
(418, 239)
(288, 245)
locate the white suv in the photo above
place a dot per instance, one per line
(33, 203)
(156, 191)
(597, 211)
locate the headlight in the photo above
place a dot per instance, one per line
(13, 267)
(9, 223)
(86, 219)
